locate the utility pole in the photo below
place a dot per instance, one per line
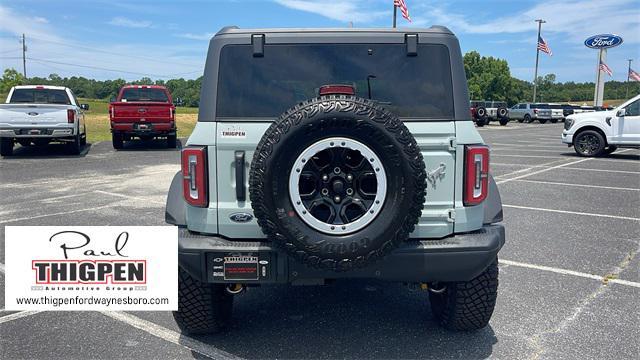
(395, 12)
(24, 57)
(535, 74)
(628, 78)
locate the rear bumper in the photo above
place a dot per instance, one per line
(456, 258)
(144, 128)
(36, 132)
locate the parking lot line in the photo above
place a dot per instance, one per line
(571, 212)
(531, 156)
(59, 213)
(568, 272)
(128, 196)
(602, 170)
(504, 148)
(170, 335)
(18, 315)
(542, 170)
(579, 185)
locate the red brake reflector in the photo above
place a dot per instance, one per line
(476, 174)
(194, 181)
(337, 90)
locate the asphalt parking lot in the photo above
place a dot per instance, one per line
(569, 272)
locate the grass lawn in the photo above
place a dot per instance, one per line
(99, 129)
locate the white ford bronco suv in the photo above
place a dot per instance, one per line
(324, 154)
(603, 132)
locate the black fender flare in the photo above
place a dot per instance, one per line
(492, 204)
(175, 210)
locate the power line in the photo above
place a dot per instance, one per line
(100, 68)
(112, 53)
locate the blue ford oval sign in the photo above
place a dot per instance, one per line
(603, 41)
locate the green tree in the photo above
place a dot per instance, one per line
(10, 78)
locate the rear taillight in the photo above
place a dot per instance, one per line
(337, 89)
(535, 111)
(476, 174)
(71, 116)
(194, 183)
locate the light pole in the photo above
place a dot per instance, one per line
(535, 74)
(628, 78)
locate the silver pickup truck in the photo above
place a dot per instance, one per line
(38, 115)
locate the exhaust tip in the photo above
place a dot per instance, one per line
(235, 289)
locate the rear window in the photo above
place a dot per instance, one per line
(539, 106)
(264, 87)
(144, 94)
(40, 96)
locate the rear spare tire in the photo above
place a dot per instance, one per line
(329, 167)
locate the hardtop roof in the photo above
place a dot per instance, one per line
(434, 29)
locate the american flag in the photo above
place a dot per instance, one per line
(634, 75)
(403, 8)
(605, 68)
(542, 46)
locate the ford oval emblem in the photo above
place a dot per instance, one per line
(603, 41)
(241, 217)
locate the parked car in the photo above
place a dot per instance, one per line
(300, 172)
(557, 112)
(479, 112)
(602, 132)
(528, 112)
(498, 110)
(40, 114)
(143, 111)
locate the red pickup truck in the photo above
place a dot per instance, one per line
(143, 111)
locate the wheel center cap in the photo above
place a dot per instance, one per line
(338, 186)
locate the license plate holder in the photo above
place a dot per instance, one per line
(240, 266)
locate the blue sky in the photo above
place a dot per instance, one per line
(166, 39)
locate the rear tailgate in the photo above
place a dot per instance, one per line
(141, 111)
(33, 115)
(435, 140)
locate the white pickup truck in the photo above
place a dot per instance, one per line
(602, 132)
(37, 115)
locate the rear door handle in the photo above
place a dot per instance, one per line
(239, 165)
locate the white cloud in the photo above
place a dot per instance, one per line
(577, 19)
(126, 22)
(50, 50)
(41, 20)
(203, 36)
(341, 10)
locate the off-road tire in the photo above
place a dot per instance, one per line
(337, 116)
(467, 305)
(117, 140)
(480, 122)
(504, 121)
(601, 143)
(6, 147)
(172, 141)
(202, 308)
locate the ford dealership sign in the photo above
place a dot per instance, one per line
(603, 41)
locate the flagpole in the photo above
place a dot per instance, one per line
(628, 78)
(395, 12)
(535, 74)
